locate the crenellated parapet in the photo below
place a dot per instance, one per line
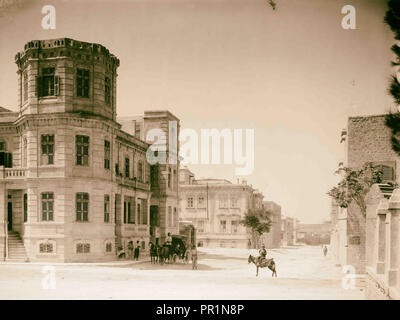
(65, 47)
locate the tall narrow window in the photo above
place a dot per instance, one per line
(234, 225)
(82, 206)
(106, 208)
(25, 86)
(140, 171)
(200, 202)
(25, 207)
(131, 215)
(115, 209)
(107, 154)
(144, 211)
(125, 213)
(175, 218)
(2, 146)
(154, 176)
(47, 143)
(189, 202)
(82, 83)
(169, 177)
(222, 226)
(139, 213)
(234, 203)
(48, 84)
(200, 226)
(107, 90)
(127, 167)
(47, 206)
(82, 150)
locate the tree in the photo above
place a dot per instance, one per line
(258, 221)
(272, 4)
(392, 120)
(351, 192)
(355, 185)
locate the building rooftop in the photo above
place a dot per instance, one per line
(212, 181)
(2, 109)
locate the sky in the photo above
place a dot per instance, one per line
(293, 74)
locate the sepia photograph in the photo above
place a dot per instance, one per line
(199, 150)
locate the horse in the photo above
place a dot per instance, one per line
(178, 252)
(269, 263)
(165, 254)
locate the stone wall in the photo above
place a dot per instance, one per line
(367, 140)
(383, 274)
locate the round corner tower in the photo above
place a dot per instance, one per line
(65, 75)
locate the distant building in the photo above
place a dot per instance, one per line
(272, 239)
(288, 231)
(313, 234)
(216, 207)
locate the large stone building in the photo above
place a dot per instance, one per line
(216, 206)
(366, 139)
(73, 184)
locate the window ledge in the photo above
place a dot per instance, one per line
(47, 97)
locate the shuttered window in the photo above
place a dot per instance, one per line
(48, 84)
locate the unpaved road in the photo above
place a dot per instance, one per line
(303, 273)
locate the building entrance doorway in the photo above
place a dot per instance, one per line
(9, 216)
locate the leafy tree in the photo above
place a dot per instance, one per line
(350, 193)
(272, 4)
(355, 185)
(258, 221)
(392, 18)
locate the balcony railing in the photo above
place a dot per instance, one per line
(132, 183)
(11, 173)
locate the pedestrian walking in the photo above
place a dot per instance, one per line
(325, 251)
(137, 251)
(194, 257)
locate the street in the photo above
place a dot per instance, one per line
(223, 273)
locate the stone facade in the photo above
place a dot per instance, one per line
(313, 234)
(288, 231)
(216, 207)
(79, 186)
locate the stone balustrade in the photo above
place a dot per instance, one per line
(11, 173)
